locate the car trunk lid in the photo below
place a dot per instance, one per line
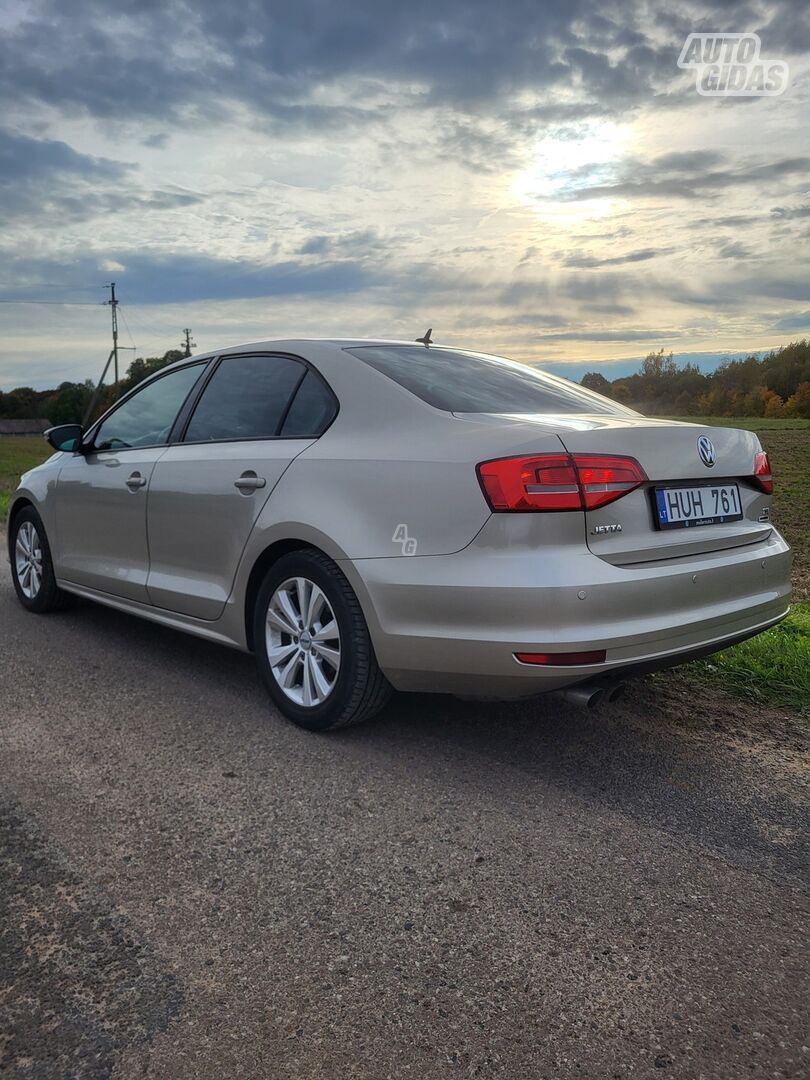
(626, 532)
(670, 455)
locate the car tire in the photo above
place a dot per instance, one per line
(318, 664)
(32, 565)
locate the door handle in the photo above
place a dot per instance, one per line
(248, 482)
(135, 481)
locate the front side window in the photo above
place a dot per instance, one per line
(475, 383)
(246, 398)
(146, 418)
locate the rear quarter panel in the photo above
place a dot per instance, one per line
(406, 490)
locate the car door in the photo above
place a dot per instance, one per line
(101, 494)
(252, 419)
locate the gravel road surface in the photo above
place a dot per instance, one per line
(191, 887)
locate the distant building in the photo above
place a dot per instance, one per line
(24, 427)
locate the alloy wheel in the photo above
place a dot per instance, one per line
(303, 641)
(28, 560)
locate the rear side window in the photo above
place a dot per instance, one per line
(472, 382)
(246, 398)
(312, 411)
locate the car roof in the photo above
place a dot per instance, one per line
(293, 344)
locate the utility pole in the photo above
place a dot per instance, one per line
(188, 344)
(114, 309)
(113, 303)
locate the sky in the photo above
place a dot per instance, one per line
(536, 179)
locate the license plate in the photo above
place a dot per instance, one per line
(687, 507)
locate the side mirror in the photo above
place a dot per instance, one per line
(66, 437)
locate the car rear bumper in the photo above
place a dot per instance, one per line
(454, 623)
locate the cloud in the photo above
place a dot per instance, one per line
(683, 176)
(315, 245)
(789, 213)
(483, 149)
(146, 278)
(593, 261)
(794, 322)
(175, 62)
(23, 159)
(46, 180)
(306, 158)
(735, 250)
(361, 243)
(612, 335)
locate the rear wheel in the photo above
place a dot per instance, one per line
(32, 566)
(312, 645)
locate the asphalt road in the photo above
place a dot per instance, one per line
(191, 887)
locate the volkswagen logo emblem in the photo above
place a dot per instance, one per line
(706, 451)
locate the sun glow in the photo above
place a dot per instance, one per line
(560, 165)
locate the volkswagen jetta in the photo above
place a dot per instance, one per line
(365, 515)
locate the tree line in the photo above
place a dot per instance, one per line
(776, 385)
(68, 402)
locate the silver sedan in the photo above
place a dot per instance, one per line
(365, 515)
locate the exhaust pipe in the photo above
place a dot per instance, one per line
(615, 691)
(590, 696)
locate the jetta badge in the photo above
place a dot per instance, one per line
(605, 530)
(707, 451)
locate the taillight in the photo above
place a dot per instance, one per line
(762, 472)
(558, 481)
(604, 479)
(547, 482)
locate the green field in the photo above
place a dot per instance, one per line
(17, 455)
(747, 423)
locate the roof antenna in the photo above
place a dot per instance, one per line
(426, 340)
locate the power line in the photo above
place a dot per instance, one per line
(188, 344)
(126, 324)
(55, 303)
(51, 285)
(145, 333)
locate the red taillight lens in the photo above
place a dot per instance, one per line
(562, 659)
(762, 472)
(558, 481)
(605, 479)
(546, 482)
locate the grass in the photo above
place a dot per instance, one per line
(18, 454)
(747, 423)
(773, 667)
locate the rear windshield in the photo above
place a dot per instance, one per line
(468, 382)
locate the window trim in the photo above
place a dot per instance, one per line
(178, 435)
(89, 437)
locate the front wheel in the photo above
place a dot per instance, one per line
(32, 566)
(312, 645)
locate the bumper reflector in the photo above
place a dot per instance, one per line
(562, 659)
